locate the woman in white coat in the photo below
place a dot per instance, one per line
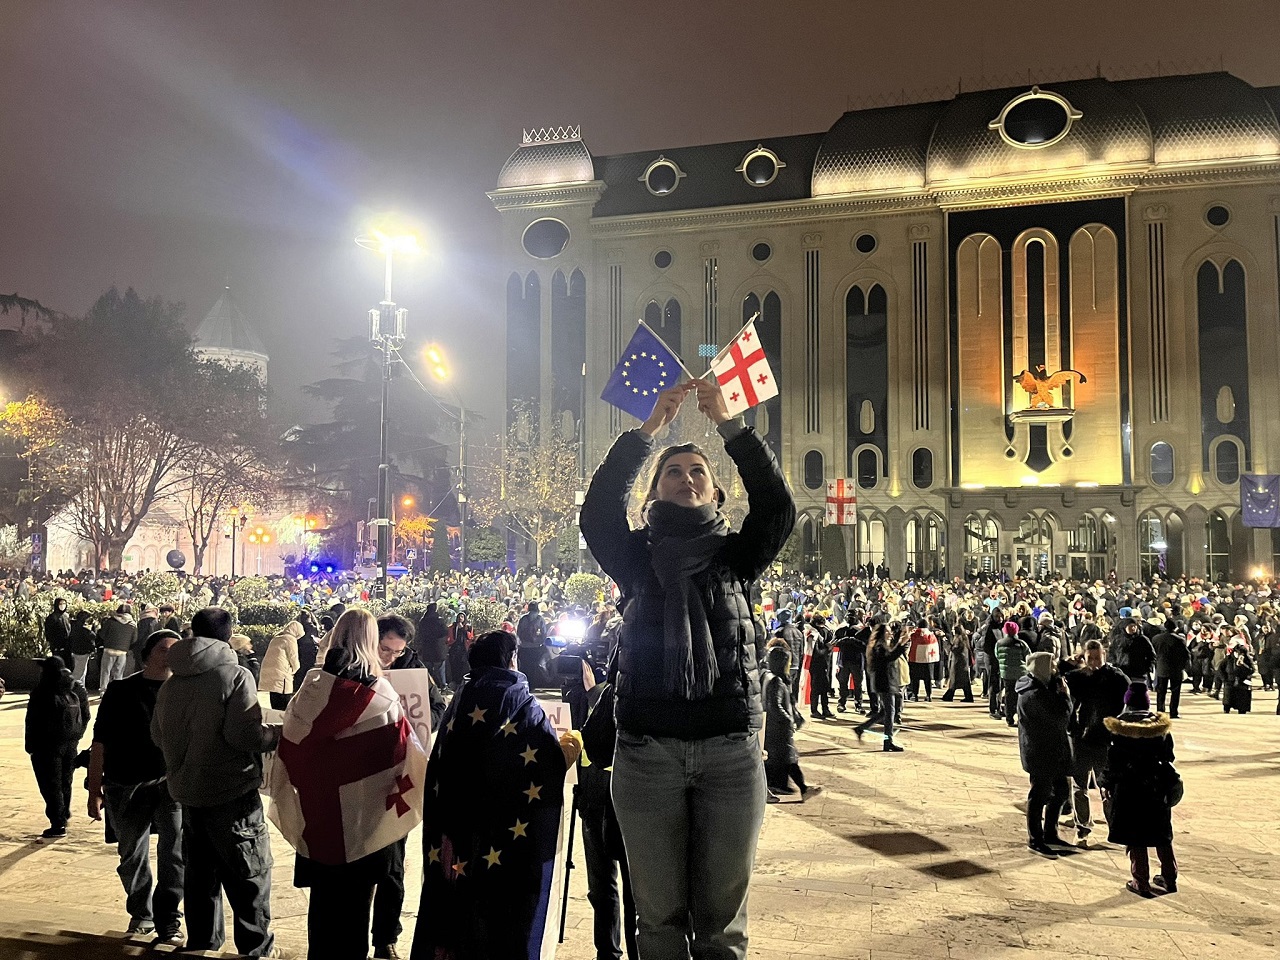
(279, 664)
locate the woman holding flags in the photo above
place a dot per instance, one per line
(688, 779)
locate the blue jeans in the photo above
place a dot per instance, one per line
(136, 811)
(228, 849)
(690, 813)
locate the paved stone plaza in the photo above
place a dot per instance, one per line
(917, 855)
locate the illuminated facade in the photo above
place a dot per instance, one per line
(907, 266)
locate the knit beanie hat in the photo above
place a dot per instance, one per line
(1040, 666)
(1137, 697)
(1011, 628)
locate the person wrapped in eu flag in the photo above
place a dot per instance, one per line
(494, 796)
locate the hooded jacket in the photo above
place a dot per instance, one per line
(57, 712)
(433, 636)
(1044, 711)
(118, 633)
(209, 726)
(1137, 774)
(1096, 695)
(280, 662)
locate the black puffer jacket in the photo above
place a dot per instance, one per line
(643, 705)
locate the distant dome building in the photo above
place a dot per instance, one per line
(226, 336)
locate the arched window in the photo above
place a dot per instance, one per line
(1153, 548)
(568, 347)
(1217, 544)
(1223, 343)
(670, 330)
(1226, 461)
(926, 546)
(813, 470)
(870, 541)
(653, 314)
(1161, 463)
(868, 468)
(524, 340)
(981, 544)
(922, 468)
(767, 416)
(1089, 548)
(1034, 544)
(867, 367)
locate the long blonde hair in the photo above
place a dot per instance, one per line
(357, 632)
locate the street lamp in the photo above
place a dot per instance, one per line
(259, 538)
(387, 332)
(438, 367)
(238, 517)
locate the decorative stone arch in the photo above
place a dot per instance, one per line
(870, 537)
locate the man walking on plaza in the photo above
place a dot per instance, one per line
(208, 724)
(1172, 659)
(117, 635)
(1011, 654)
(127, 775)
(1097, 691)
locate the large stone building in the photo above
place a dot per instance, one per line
(907, 265)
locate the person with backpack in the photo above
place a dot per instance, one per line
(57, 715)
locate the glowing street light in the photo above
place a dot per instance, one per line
(387, 324)
(438, 367)
(408, 503)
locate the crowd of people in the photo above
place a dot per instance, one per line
(697, 645)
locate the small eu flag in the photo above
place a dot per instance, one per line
(646, 368)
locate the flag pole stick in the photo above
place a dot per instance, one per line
(654, 333)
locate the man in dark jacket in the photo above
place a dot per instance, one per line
(1011, 654)
(127, 775)
(117, 635)
(1131, 651)
(208, 724)
(433, 643)
(789, 632)
(531, 633)
(1097, 692)
(990, 636)
(1044, 710)
(1172, 660)
(57, 631)
(851, 642)
(57, 714)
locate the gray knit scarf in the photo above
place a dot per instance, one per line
(682, 543)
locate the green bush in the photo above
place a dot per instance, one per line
(157, 588)
(249, 589)
(584, 590)
(20, 629)
(485, 614)
(268, 613)
(441, 559)
(412, 611)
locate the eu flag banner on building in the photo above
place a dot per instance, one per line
(1260, 499)
(842, 503)
(646, 368)
(743, 372)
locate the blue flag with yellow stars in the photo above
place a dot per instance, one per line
(1260, 499)
(646, 368)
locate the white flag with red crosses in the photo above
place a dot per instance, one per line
(743, 372)
(842, 502)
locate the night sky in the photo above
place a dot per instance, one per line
(168, 145)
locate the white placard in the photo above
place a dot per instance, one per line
(414, 687)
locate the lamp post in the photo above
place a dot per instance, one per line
(259, 538)
(239, 517)
(438, 366)
(386, 332)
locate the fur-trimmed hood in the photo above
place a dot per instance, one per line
(1139, 725)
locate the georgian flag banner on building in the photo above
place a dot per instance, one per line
(333, 795)
(743, 372)
(842, 503)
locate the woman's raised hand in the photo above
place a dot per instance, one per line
(667, 407)
(711, 399)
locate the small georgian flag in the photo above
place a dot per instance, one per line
(743, 372)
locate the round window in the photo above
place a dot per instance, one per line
(760, 167)
(545, 239)
(661, 177)
(1035, 119)
(662, 259)
(865, 243)
(761, 252)
(1217, 216)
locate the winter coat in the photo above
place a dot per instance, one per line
(209, 725)
(781, 719)
(57, 713)
(57, 630)
(118, 633)
(1236, 671)
(1044, 711)
(433, 637)
(83, 640)
(960, 663)
(1172, 655)
(883, 677)
(280, 663)
(820, 663)
(1011, 654)
(1138, 770)
(1095, 696)
(851, 643)
(734, 703)
(795, 642)
(1132, 653)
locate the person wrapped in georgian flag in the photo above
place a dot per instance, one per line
(347, 782)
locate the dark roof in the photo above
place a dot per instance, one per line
(226, 328)
(711, 178)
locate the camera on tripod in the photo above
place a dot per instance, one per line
(568, 664)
